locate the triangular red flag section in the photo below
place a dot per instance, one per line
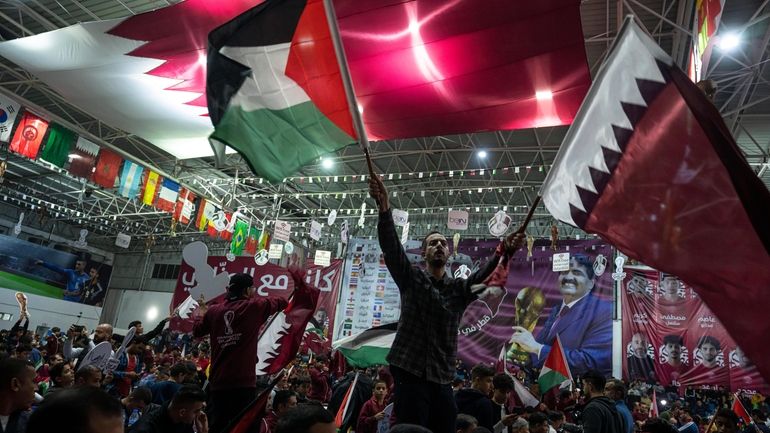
(28, 135)
(740, 410)
(650, 166)
(555, 369)
(653, 413)
(500, 365)
(279, 341)
(247, 419)
(342, 413)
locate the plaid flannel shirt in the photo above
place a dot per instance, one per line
(426, 339)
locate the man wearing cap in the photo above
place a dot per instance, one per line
(234, 329)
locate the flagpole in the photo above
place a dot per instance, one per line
(347, 82)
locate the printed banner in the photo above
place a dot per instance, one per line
(672, 337)
(269, 280)
(532, 299)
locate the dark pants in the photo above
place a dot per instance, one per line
(417, 401)
(224, 406)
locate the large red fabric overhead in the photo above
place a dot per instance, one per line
(435, 67)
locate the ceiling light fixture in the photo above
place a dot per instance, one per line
(327, 163)
(482, 154)
(729, 41)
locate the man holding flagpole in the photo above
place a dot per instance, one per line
(422, 357)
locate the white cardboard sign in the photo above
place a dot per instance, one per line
(275, 252)
(458, 220)
(400, 217)
(315, 230)
(322, 258)
(561, 262)
(122, 240)
(282, 231)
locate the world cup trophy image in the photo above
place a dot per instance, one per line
(530, 302)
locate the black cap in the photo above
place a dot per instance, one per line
(240, 282)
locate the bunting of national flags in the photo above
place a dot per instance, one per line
(34, 137)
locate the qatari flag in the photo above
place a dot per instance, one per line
(651, 167)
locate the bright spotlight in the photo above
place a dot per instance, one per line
(542, 95)
(327, 163)
(663, 402)
(152, 313)
(729, 41)
(482, 154)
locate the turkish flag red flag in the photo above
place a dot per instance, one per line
(651, 167)
(28, 135)
(740, 410)
(107, 168)
(280, 339)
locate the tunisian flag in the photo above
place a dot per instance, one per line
(651, 167)
(28, 136)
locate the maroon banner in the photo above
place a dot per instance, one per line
(672, 337)
(269, 280)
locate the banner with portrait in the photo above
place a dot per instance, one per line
(532, 298)
(670, 336)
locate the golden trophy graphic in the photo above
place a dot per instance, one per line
(21, 298)
(529, 304)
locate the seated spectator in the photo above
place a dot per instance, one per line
(88, 375)
(283, 401)
(181, 373)
(465, 423)
(134, 405)
(307, 418)
(373, 410)
(475, 400)
(17, 393)
(78, 410)
(538, 423)
(62, 377)
(726, 421)
(183, 414)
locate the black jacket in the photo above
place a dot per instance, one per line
(476, 404)
(157, 420)
(601, 416)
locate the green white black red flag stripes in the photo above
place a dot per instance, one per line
(555, 369)
(368, 348)
(273, 87)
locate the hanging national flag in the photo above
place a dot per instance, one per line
(205, 210)
(555, 369)
(648, 139)
(9, 109)
(740, 410)
(279, 342)
(28, 135)
(240, 233)
(500, 366)
(277, 97)
(169, 191)
(83, 158)
(653, 413)
(264, 240)
(246, 420)
(227, 233)
(706, 23)
(130, 179)
(58, 145)
(342, 417)
(252, 241)
(185, 205)
(369, 347)
(150, 187)
(107, 168)
(142, 74)
(524, 394)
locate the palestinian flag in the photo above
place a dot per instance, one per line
(107, 168)
(28, 136)
(240, 233)
(274, 88)
(58, 145)
(343, 417)
(555, 369)
(368, 348)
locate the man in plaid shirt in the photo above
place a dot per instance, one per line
(422, 357)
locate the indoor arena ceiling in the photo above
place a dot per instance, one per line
(743, 97)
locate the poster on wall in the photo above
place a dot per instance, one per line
(269, 280)
(532, 299)
(670, 336)
(35, 269)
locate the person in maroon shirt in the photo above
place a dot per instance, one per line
(283, 401)
(234, 329)
(319, 385)
(373, 410)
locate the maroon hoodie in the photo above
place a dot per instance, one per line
(234, 327)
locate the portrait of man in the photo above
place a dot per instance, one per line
(582, 320)
(671, 290)
(709, 352)
(673, 358)
(640, 365)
